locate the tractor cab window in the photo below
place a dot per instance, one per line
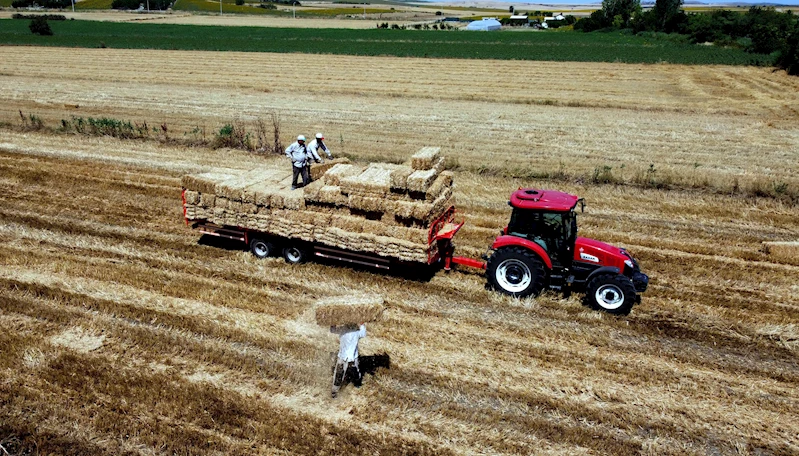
(553, 231)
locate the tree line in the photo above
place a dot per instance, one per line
(761, 30)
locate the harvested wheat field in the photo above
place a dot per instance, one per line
(122, 334)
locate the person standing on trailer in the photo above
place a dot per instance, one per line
(313, 151)
(347, 356)
(315, 145)
(298, 153)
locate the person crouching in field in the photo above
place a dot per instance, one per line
(298, 154)
(347, 356)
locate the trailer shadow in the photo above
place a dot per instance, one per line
(222, 243)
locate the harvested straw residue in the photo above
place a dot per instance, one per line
(425, 158)
(348, 309)
(783, 252)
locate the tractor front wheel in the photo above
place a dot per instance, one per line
(516, 271)
(613, 293)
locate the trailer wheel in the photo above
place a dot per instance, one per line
(516, 271)
(295, 254)
(261, 248)
(612, 293)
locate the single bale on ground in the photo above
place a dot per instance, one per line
(348, 309)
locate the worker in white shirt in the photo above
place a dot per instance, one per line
(347, 356)
(313, 152)
(315, 145)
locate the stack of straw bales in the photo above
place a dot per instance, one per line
(348, 310)
(380, 208)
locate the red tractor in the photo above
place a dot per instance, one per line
(540, 249)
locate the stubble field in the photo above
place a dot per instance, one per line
(123, 335)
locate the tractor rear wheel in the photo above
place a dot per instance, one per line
(516, 271)
(613, 293)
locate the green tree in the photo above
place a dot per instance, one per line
(625, 9)
(39, 26)
(665, 12)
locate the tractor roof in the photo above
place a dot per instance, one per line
(544, 200)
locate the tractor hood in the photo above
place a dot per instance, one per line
(599, 253)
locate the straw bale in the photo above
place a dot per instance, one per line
(404, 209)
(319, 169)
(331, 194)
(442, 182)
(261, 222)
(429, 212)
(425, 158)
(347, 223)
(339, 171)
(349, 309)
(287, 199)
(420, 181)
(192, 197)
(248, 208)
(207, 200)
(206, 182)
(366, 203)
(375, 180)
(311, 191)
(221, 202)
(399, 178)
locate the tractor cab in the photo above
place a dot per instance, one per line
(548, 219)
(540, 249)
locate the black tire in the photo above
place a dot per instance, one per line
(295, 254)
(611, 293)
(516, 271)
(261, 248)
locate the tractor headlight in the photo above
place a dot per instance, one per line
(629, 263)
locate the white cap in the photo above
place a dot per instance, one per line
(319, 136)
(301, 138)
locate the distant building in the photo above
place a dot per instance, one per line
(519, 20)
(485, 24)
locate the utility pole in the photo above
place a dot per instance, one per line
(73, 6)
(220, 7)
(294, 10)
(364, 11)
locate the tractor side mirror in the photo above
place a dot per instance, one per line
(581, 202)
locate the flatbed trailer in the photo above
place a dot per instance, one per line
(261, 244)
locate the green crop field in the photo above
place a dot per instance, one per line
(552, 46)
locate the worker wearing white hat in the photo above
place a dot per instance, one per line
(313, 147)
(298, 153)
(317, 144)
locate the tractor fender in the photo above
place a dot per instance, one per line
(506, 241)
(603, 270)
